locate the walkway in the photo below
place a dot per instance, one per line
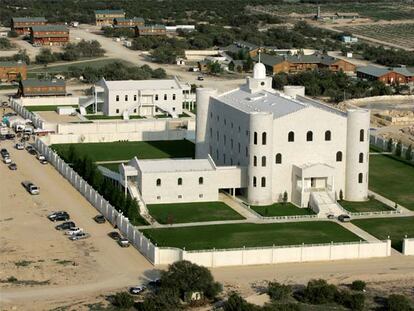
(358, 231)
(235, 204)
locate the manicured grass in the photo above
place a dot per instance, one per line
(392, 178)
(250, 235)
(127, 150)
(111, 166)
(47, 108)
(381, 228)
(192, 212)
(281, 209)
(372, 205)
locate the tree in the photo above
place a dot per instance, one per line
(166, 54)
(358, 285)
(277, 291)
(45, 56)
(214, 67)
(398, 303)
(390, 144)
(248, 64)
(319, 292)
(285, 197)
(341, 195)
(231, 66)
(237, 303)
(409, 153)
(164, 299)
(398, 149)
(123, 300)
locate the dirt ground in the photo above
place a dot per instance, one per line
(54, 117)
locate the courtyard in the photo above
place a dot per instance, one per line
(372, 205)
(281, 209)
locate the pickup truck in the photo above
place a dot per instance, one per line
(30, 187)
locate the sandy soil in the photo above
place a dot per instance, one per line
(54, 117)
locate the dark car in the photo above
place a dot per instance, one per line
(4, 153)
(10, 136)
(33, 151)
(66, 225)
(344, 218)
(13, 166)
(155, 283)
(114, 235)
(59, 216)
(100, 219)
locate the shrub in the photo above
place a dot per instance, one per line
(398, 303)
(278, 291)
(123, 300)
(282, 307)
(237, 303)
(319, 292)
(352, 301)
(358, 285)
(164, 299)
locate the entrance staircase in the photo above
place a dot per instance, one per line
(324, 204)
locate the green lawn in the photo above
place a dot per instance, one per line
(372, 205)
(47, 108)
(250, 235)
(111, 166)
(381, 228)
(281, 209)
(127, 150)
(192, 212)
(392, 178)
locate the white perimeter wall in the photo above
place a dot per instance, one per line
(49, 101)
(408, 247)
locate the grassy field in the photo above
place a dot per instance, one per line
(111, 166)
(250, 235)
(361, 207)
(192, 212)
(127, 150)
(392, 178)
(280, 209)
(381, 228)
(47, 108)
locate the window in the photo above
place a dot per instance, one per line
(165, 96)
(278, 158)
(211, 115)
(231, 125)
(238, 147)
(173, 96)
(180, 196)
(361, 135)
(291, 136)
(217, 155)
(156, 96)
(173, 108)
(135, 98)
(217, 136)
(126, 98)
(263, 181)
(211, 132)
(254, 161)
(360, 178)
(200, 180)
(339, 156)
(117, 110)
(254, 182)
(158, 197)
(158, 182)
(328, 135)
(200, 196)
(224, 136)
(255, 138)
(262, 83)
(361, 158)
(224, 158)
(117, 98)
(247, 151)
(263, 161)
(225, 122)
(239, 129)
(264, 138)
(180, 181)
(135, 110)
(231, 143)
(309, 136)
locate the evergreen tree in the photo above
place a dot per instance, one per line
(408, 153)
(389, 145)
(398, 149)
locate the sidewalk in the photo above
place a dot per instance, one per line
(358, 231)
(237, 206)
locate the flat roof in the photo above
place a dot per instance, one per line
(175, 165)
(126, 85)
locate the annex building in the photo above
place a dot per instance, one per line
(259, 143)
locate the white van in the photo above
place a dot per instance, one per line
(28, 131)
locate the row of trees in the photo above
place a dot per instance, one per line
(5, 44)
(19, 56)
(407, 154)
(384, 56)
(86, 168)
(71, 52)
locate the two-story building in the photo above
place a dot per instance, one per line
(49, 35)
(122, 22)
(22, 25)
(107, 17)
(35, 87)
(401, 75)
(151, 30)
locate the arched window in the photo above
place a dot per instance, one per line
(361, 158)
(255, 138)
(254, 161)
(200, 180)
(291, 136)
(263, 161)
(263, 181)
(328, 135)
(254, 181)
(278, 158)
(180, 181)
(158, 182)
(361, 135)
(309, 136)
(339, 156)
(264, 138)
(360, 178)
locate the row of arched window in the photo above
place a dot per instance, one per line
(339, 157)
(262, 181)
(264, 138)
(278, 160)
(309, 136)
(179, 181)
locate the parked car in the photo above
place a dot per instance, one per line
(30, 187)
(344, 218)
(40, 157)
(123, 242)
(200, 78)
(136, 290)
(7, 160)
(100, 219)
(12, 166)
(19, 146)
(114, 235)
(2, 137)
(10, 136)
(59, 216)
(44, 162)
(33, 151)
(4, 153)
(331, 216)
(155, 282)
(73, 231)
(66, 225)
(79, 236)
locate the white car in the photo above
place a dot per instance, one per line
(79, 236)
(41, 157)
(19, 146)
(136, 290)
(74, 231)
(7, 160)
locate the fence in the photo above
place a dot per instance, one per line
(382, 144)
(26, 114)
(408, 247)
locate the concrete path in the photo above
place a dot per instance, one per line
(405, 211)
(236, 205)
(358, 231)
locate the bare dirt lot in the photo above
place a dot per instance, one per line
(54, 117)
(39, 266)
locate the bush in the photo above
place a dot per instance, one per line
(123, 300)
(237, 303)
(277, 291)
(319, 292)
(165, 299)
(358, 285)
(398, 303)
(282, 307)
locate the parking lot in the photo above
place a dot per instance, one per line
(39, 263)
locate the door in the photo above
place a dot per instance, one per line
(313, 182)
